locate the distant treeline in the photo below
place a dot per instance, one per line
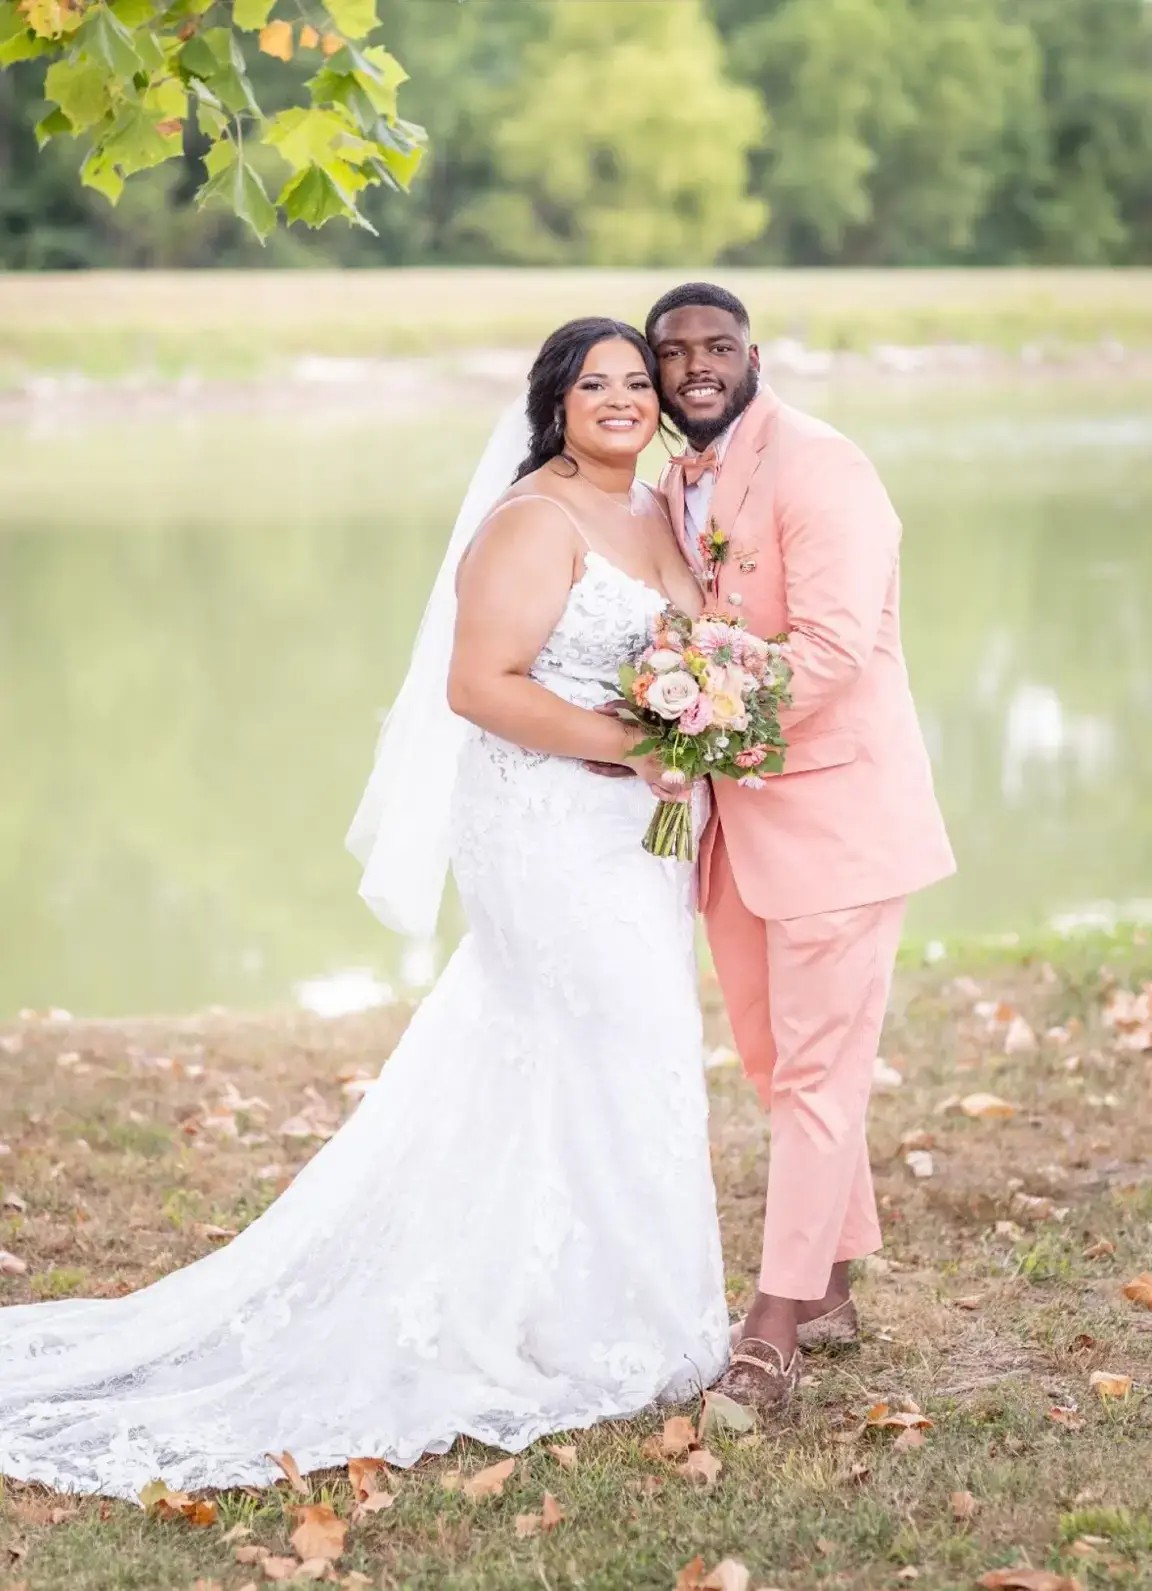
(656, 132)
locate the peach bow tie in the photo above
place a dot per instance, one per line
(694, 465)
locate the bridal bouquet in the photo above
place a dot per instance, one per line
(709, 694)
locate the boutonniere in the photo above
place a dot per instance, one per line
(716, 550)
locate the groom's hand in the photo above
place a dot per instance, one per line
(611, 770)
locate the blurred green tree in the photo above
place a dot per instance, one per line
(622, 143)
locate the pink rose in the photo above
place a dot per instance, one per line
(695, 719)
(670, 694)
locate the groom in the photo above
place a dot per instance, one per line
(803, 882)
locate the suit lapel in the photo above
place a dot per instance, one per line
(672, 484)
(742, 458)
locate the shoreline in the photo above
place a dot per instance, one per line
(398, 385)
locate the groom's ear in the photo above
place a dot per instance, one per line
(754, 355)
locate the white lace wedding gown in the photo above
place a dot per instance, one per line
(514, 1234)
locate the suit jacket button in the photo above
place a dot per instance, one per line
(735, 598)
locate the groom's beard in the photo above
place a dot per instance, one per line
(702, 433)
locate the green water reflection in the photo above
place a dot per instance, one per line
(201, 616)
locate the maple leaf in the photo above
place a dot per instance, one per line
(288, 1464)
(160, 1503)
(319, 1532)
(701, 1466)
(1106, 1384)
(881, 1416)
(489, 1482)
(1139, 1289)
(565, 1456)
(552, 1513)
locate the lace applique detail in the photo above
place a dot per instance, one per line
(515, 1234)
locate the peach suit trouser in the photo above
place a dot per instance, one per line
(806, 999)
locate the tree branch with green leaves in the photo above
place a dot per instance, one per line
(134, 78)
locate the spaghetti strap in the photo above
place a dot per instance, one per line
(539, 497)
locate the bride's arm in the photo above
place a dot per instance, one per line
(511, 590)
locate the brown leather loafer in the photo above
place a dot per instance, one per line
(757, 1377)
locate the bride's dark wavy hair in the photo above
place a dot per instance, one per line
(556, 370)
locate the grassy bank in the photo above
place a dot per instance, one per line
(999, 1294)
(242, 324)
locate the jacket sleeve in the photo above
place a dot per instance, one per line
(840, 540)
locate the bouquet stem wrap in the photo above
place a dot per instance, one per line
(670, 832)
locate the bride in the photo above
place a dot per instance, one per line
(516, 1233)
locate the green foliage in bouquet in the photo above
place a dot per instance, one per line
(135, 79)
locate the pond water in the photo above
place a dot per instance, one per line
(202, 614)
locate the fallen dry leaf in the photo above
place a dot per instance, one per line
(13, 1201)
(678, 1436)
(374, 1503)
(489, 1482)
(552, 1514)
(214, 1234)
(722, 1413)
(881, 1416)
(1068, 1418)
(728, 1575)
(279, 1568)
(1139, 1289)
(917, 1140)
(1102, 1249)
(964, 1505)
(986, 1107)
(288, 1464)
(315, 1569)
(909, 1573)
(319, 1532)
(701, 1466)
(974, 1301)
(1019, 1039)
(691, 1575)
(911, 1437)
(1106, 1384)
(527, 1525)
(11, 1265)
(363, 1474)
(451, 1480)
(920, 1163)
(251, 1552)
(1025, 1579)
(160, 1503)
(564, 1455)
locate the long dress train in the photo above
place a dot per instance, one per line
(514, 1234)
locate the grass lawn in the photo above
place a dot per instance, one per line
(999, 1294)
(241, 324)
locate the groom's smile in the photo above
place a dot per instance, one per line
(708, 369)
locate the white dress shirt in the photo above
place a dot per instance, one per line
(698, 497)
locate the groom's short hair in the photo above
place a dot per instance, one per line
(706, 293)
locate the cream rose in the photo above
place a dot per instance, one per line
(669, 694)
(664, 659)
(725, 687)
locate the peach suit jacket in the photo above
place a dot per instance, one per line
(815, 548)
